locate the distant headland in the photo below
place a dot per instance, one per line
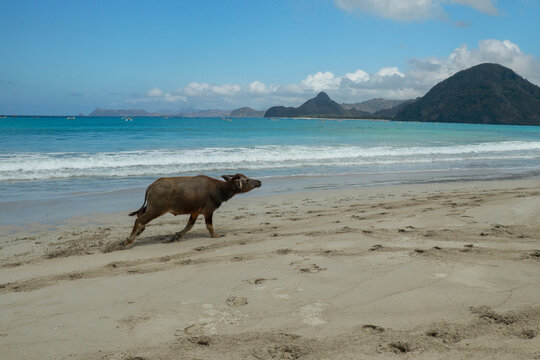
(483, 94)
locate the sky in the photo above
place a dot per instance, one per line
(71, 56)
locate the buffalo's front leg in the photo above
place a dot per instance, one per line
(209, 225)
(188, 227)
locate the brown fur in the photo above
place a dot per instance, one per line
(188, 195)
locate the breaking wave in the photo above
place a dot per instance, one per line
(34, 166)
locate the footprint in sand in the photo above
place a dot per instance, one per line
(195, 329)
(259, 281)
(237, 301)
(399, 347)
(374, 329)
(311, 269)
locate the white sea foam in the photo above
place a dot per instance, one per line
(25, 166)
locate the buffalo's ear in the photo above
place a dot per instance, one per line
(239, 183)
(227, 177)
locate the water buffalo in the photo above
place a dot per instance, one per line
(192, 195)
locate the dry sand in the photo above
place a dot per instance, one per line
(426, 271)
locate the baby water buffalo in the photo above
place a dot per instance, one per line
(188, 195)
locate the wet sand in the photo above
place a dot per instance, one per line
(423, 271)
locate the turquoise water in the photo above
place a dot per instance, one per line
(86, 161)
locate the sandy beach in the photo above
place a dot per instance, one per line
(412, 271)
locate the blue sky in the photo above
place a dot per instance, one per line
(66, 57)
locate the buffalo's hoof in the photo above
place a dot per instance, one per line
(174, 238)
(216, 236)
(125, 243)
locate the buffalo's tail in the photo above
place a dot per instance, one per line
(142, 210)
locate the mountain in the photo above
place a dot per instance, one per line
(391, 113)
(484, 94)
(319, 106)
(246, 112)
(119, 112)
(281, 111)
(374, 105)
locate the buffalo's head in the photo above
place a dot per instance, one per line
(241, 182)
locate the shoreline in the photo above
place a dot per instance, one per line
(58, 210)
(431, 270)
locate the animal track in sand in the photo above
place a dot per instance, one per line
(286, 352)
(283, 251)
(200, 340)
(330, 252)
(238, 259)
(399, 347)
(535, 255)
(311, 269)
(258, 281)
(194, 329)
(442, 340)
(373, 328)
(237, 301)
(445, 332)
(376, 247)
(527, 334)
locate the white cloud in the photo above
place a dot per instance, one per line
(196, 89)
(412, 10)
(485, 6)
(174, 98)
(406, 10)
(359, 85)
(204, 89)
(155, 92)
(357, 76)
(258, 87)
(502, 52)
(390, 71)
(226, 89)
(321, 81)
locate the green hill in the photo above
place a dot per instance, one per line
(319, 106)
(247, 112)
(484, 94)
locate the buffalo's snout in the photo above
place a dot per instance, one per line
(251, 184)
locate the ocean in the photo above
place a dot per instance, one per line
(52, 168)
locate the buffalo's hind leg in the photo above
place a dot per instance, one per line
(189, 225)
(210, 225)
(140, 224)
